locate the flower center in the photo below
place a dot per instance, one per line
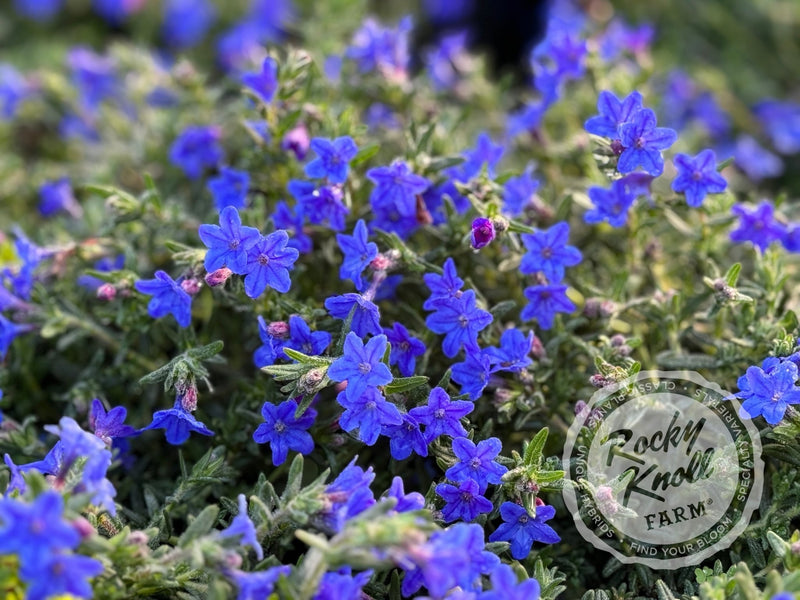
(370, 405)
(233, 244)
(475, 463)
(523, 519)
(364, 368)
(641, 143)
(439, 413)
(463, 320)
(466, 496)
(547, 252)
(279, 426)
(263, 260)
(697, 175)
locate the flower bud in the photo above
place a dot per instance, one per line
(191, 286)
(278, 329)
(297, 141)
(482, 232)
(107, 292)
(218, 277)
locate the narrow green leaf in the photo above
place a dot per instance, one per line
(404, 384)
(365, 154)
(732, 276)
(533, 452)
(294, 480)
(305, 359)
(201, 525)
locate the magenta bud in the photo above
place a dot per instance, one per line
(83, 527)
(106, 292)
(381, 262)
(218, 277)
(297, 141)
(278, 329)
(189, 399)
(191, 286)
(482, 232)
(617, 147)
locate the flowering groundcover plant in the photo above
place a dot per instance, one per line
(284, 315)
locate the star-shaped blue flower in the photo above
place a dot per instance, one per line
(405, 502)
(610, 205)
(111, 424)
(643, 143)
(460, 320)
(243, 528)
(320, 203)
(442, 416)
(333, 159)
(405, 349)
(549, 253)
(463, 502)
(697, 176)
(366, 317)
(228, 242)
(360, 365)
(396, 187)
(442, 287)
(168, 298)
(506, 587)
(613, 113)
(545, 302)
(477, 462)
(283, 432)
(229, 188)
(358, 253)
(513, 353)
(311, 343)
(519, 192)
(269, 261)
(9, 331)
(769, 393)
(367, 412)
(522, 530)
(473, 373)
(406, 438)
(757, 226)
(178, 424)
(265, 83)
(196, 149)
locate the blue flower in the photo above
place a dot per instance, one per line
(311, 343)
(35, 531)
(94, 76)
(366, 318)
(14, 89)
(522, 530)
(527, 119)
(9, 331)
(697, 177)
(442, 416)
(186, 22)
(242, 526)
(404, 349)
(512, 355)
(613, 113)
(116, 11)
(643, 143)
(545, 302)
(292, 221)
(506, 587)
(274, 337)
(269, 261)
(406, 438)
(757, 162)
(610, 205)
(228, 242)
(361, 366)
(195, 149)
(367, 412)
(348, 495)
(178, 424)
(396, 187)
(460, 320)
(319, 204)
(440, 62)
(549, 253)
(168, 298)
(518, 193)
(482, 232)
(62, 574)
(442, 287)
(473, 373)
(462, 502)
(229, 188)
(259, 584)
(342, 585)
(770, 392)
(333, 159)
(15, 479)
(381, 48)
(55, 196)
(283, 431)
(485, 153)
(781, 121)
(476, 462)
(405, 502)
(111, 424)
(265, 83)
(358, 253)
(757, 226)
(40, 10)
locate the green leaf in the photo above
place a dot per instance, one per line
(444, 162)
(294, 481)
(201, 525)
(732, 276)
(207, 351)
(317, 361)
(404, 384)
(365, 154)
(533, 452)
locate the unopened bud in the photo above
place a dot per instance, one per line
(482, 232)
(617, 147)
(218, 277)
(278, 329)
(191, 286)
(107, 292)
(308, 382)
(83, 527)
(189, 399)
(297, 141)
(381, 262)
(598, 380)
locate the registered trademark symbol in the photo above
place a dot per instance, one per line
(710, 501)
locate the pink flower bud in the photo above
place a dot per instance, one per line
(191, 286)
(106, 292)
(218, 277)
(482, 232)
